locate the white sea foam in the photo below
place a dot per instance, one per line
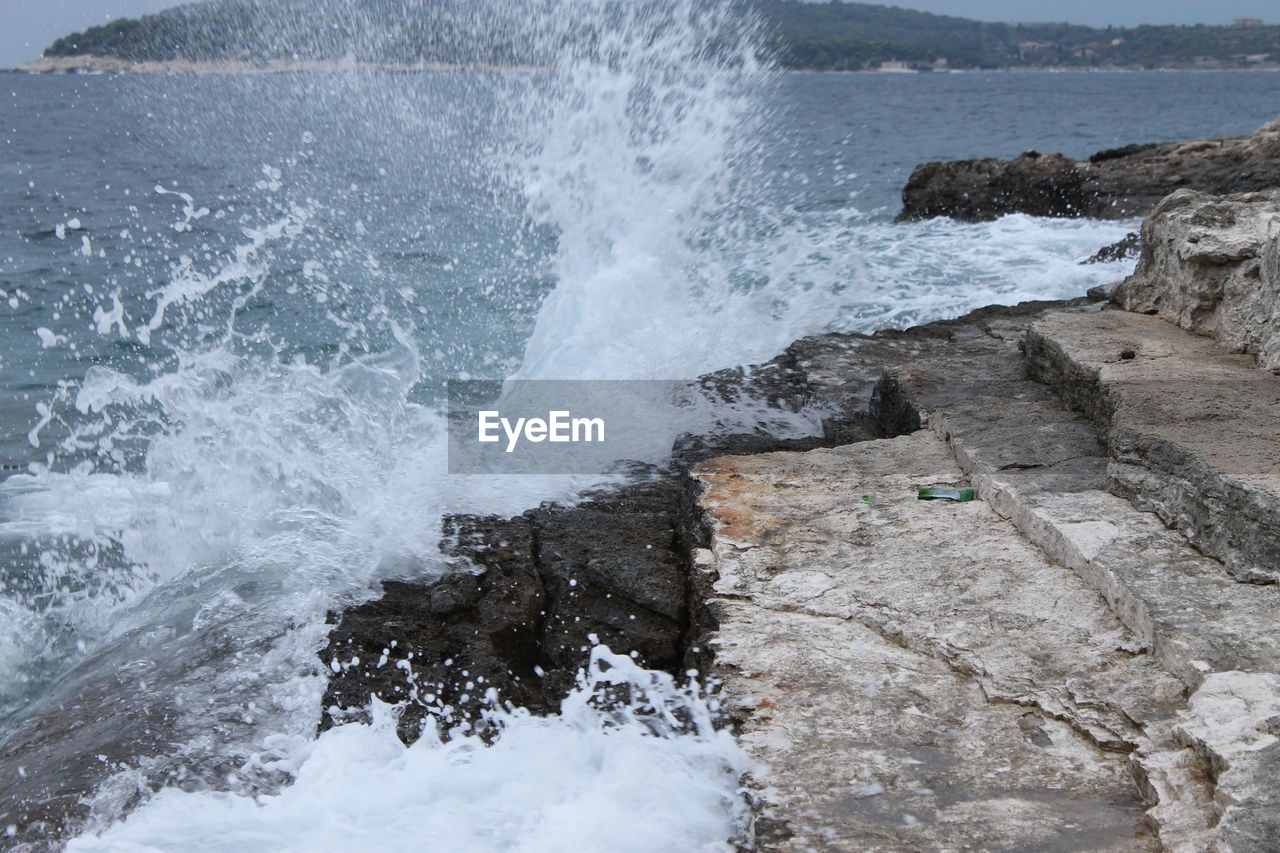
(675, 257)
(653, 776)
(898, 275)
(186, 284)
(269, 489)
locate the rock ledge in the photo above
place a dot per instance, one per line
(1115, 184)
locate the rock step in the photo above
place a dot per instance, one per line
(897, 669)
(1040, 464)
(1192, 430)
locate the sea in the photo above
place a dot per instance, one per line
(229, 306)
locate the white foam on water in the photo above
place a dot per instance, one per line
(653, 776)
(675, 257)
(899, 275)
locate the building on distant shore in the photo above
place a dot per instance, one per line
(1247, 22)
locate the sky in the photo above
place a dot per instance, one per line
(30, 25)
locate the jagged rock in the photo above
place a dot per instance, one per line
(1113, 184)
(1129, 246)
(396, 646)
(1231, 721)
(519, 617)
(979, 190)
(748, 395)
(1212, 266)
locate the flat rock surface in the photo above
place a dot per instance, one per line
(916, 675)
(1077, 605)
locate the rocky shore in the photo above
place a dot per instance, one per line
(533, 594)
(1114, 184)
(1087, 657)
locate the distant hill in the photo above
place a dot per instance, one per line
(830, 36)
(859, 35)
(385, 31)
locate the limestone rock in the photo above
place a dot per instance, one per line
(897, 672)
(1191, 429)
(1233, 721)
(1040, 465)
(1212, 266)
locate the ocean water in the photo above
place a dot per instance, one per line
(230, 304)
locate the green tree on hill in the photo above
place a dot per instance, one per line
(818, 36)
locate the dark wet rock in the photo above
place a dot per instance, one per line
(778, 383)
(487, 622)
(531, 596)
(760, 396)
(1125, 151)
(1114, 184)
(979, 190)
(691, 449)
(1123, 249)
